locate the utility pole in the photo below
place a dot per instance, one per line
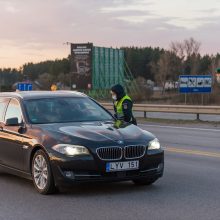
(71, 73)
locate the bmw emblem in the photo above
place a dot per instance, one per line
(120, 142)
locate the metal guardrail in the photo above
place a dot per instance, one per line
(186, 109)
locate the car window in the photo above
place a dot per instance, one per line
(3, 104)
(14, 111)
(65, 109)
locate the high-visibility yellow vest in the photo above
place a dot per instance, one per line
(118, 106)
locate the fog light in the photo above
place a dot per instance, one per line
(160, 167)
(69, 174)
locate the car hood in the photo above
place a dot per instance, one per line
(100, 132)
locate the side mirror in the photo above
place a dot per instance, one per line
(12, 122)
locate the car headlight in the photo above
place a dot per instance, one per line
(71, 150)
(154, 144)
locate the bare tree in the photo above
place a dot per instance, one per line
(188, 52)
(162, 69)
(178, 49)
(186, 48)
(191, 47)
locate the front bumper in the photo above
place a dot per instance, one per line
(68, 171)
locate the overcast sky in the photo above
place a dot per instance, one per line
(35, 30)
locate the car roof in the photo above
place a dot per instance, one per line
(41, 94)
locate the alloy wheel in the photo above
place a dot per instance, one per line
(40, 171)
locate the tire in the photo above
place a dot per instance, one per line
(41, 173)
(144, 181)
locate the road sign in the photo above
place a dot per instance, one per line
(24, 86)
(195, 84)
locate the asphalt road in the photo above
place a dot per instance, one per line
(190, 188)
(178, 116)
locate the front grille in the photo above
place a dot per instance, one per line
(136, 151)
(109, 153)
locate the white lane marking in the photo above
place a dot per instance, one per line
(175, 127)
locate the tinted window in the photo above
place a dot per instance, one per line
(58, 110)
(14, 111)
(3, 104)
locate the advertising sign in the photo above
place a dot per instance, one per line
(195, 84)
(81, 65)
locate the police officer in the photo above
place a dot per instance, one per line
(122, 104)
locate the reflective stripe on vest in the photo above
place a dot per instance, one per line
(118, 105)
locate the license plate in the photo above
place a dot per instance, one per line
(119, 166)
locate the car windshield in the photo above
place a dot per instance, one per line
(64, 109)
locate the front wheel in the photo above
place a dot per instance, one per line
(144, 181)
(41, 173)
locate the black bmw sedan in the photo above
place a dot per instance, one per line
(62, 138)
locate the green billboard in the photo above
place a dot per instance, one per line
(108, 67)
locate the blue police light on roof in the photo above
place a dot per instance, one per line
(24, 87)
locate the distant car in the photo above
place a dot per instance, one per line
(61, 138)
